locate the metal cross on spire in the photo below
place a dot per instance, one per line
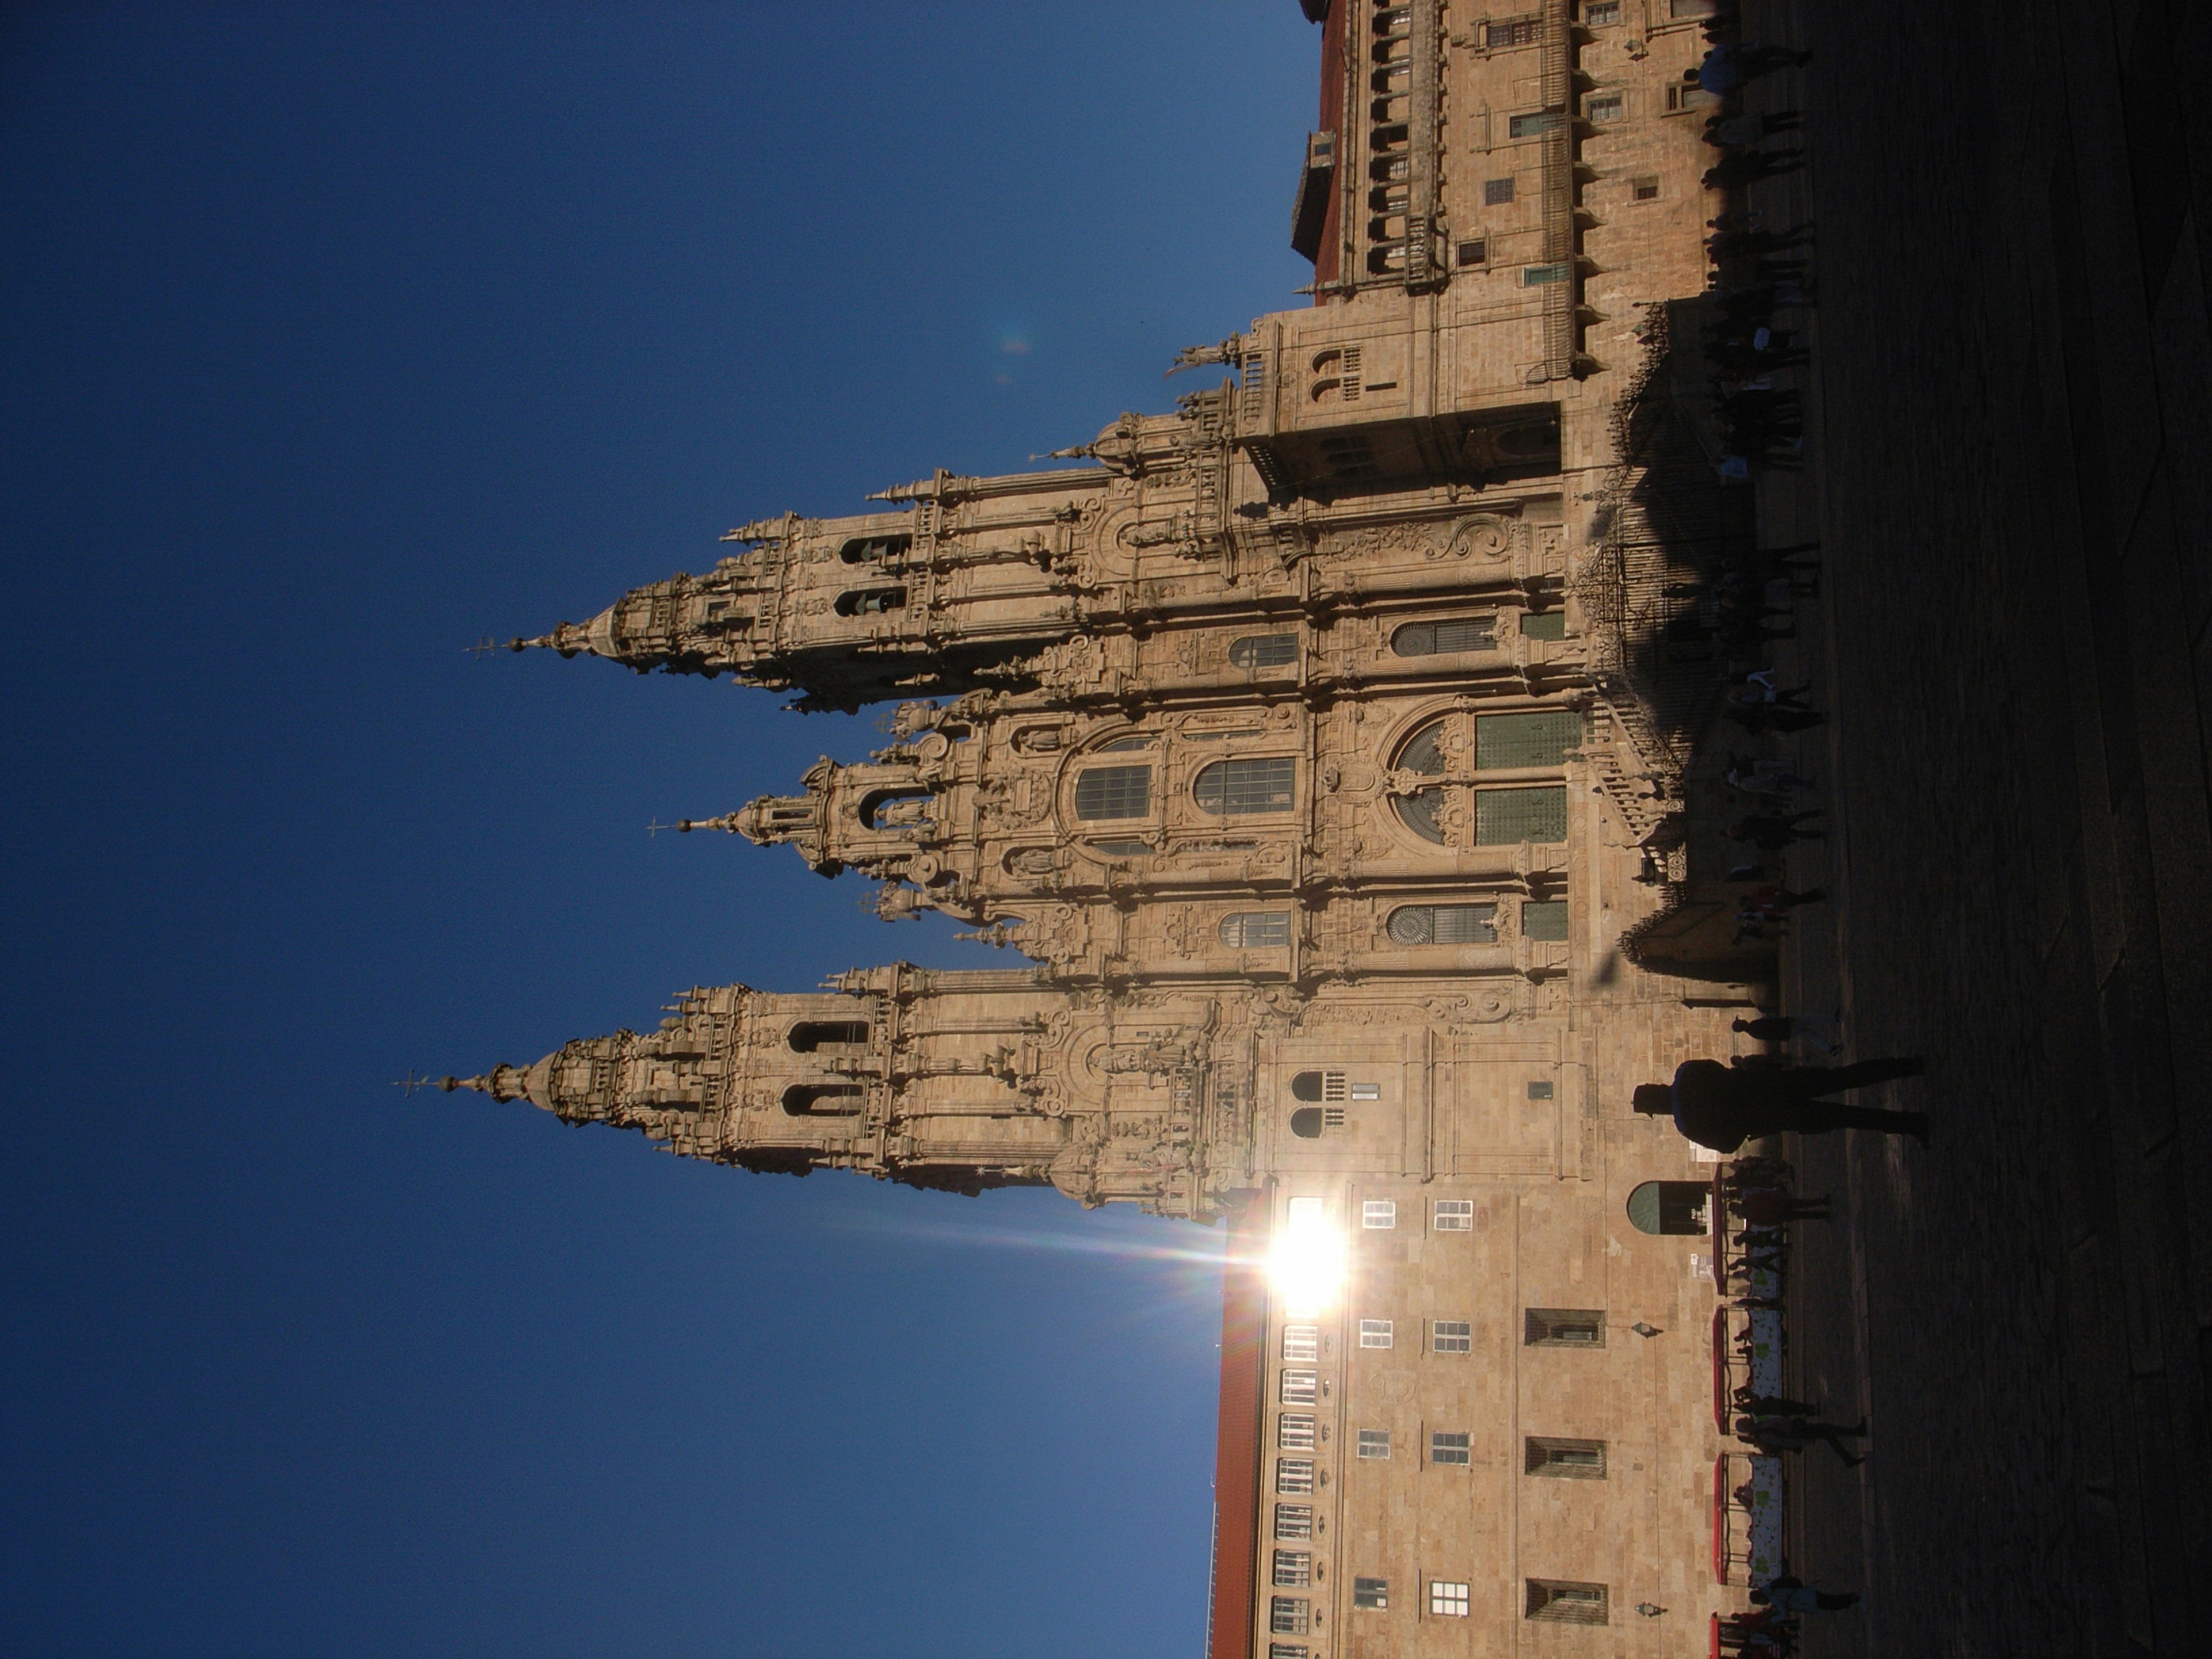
(410, 1083)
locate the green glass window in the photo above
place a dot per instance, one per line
(1538, 276)
(1432, 639)
(1543, 625)
(1528, 126)
(1229, 787)
(1545, 919)
(1505, 816)
(1114, 792)
(1503, 742)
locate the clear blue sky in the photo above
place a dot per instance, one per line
(332, 338)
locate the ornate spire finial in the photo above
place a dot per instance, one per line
(684, 826)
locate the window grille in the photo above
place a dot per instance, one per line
(1302, 1342)
(1515, 32)
(1570, 1460)
(1450, 1446)
(1319, 1086)
(1505, 817)
(1538, 276)
(1294, 1476)
(1496, 193)
(1423, 812)
(1229, 787)
(1120, 850)
(1539, 739)
(1299, 1388)
(1332, 1117)
(1114, 792)
(1455, 1215)
(1645, 189)
(1293, 1569)
(1293, 1520)
(1605, 106)
(1567, 1603)
(1374, 1442)
(1263, 651)
(1287, 1650)
(1545, 920)
(1256, 930)
(1452, 1336)
(1565, 1328)
(1473, 252)
(1288, 1615)
(1431, 639)
(1602, 14)
(1295, 1432)
(1532, 126)
(1373, 1594)
(1447, 1599)
(1375, 1333)
(1378, 1212)
(1443, 924)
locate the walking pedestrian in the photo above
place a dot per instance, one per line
(1771, 832)
(1774, 1435)
(1791, 1595)
(1721, 1106)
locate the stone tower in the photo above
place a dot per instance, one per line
(1298, 740)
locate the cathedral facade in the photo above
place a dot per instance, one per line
(1290, 741)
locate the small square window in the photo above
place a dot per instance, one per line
(1605, 106)
(1601, 14)
(1294, 1477)
(1450, 1446)
(1293, 1569)
(1373, 1594)
(1287, 1650)
(1543, 624)
(1374, 1442)
(1539, 1091)
(1378, 1212)
(1375, 1333)
(1455, 1215)
(1541, 275)
(1565, 1327)
(1293, 1520)
(1367, 1092)
(1570, 1460)
(1446, 1600)
(1496, 193)
(1299, 1388)
(1567, 1603)
(1646, 188)
(1452, 1336)
(1295, 1432)
(1473, 253)
(1546, 922)
(1305, 1212)
(1291, 1616)
(1302, 1342)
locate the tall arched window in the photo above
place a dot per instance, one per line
(862, 549)
(821, 1099)
(1114, 792)
(1230, 788)
(1263, 651)
(811, 1034)
(1436, 639)
(1671, 1207)
(1499, 815)
(1256, 930)
(871, 601)
(1444, 924)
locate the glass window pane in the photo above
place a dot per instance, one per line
(1547, 920)
(1228, 788)
(1114, 792)
(1539, 739)
(1256, 930)
(1264, 650)
(1422, 813)
(1455, 1215)
(1547, 624)
(1503, 817)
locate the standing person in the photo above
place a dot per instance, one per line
(1771, 832)
(1776, 1435)
(1791, 1595)
(1721, 1106)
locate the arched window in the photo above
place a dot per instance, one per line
(863, 549)
(810, 1035)
(1436, 639)
(1305, 1123)
(1263, 651)
(1501, 817)
(1114, 792)
(1671, 1207)
(1256, 930)
(821, 1099)
(1230, 788)
(1444, 924)
(1320, 1085)
(871, 601)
